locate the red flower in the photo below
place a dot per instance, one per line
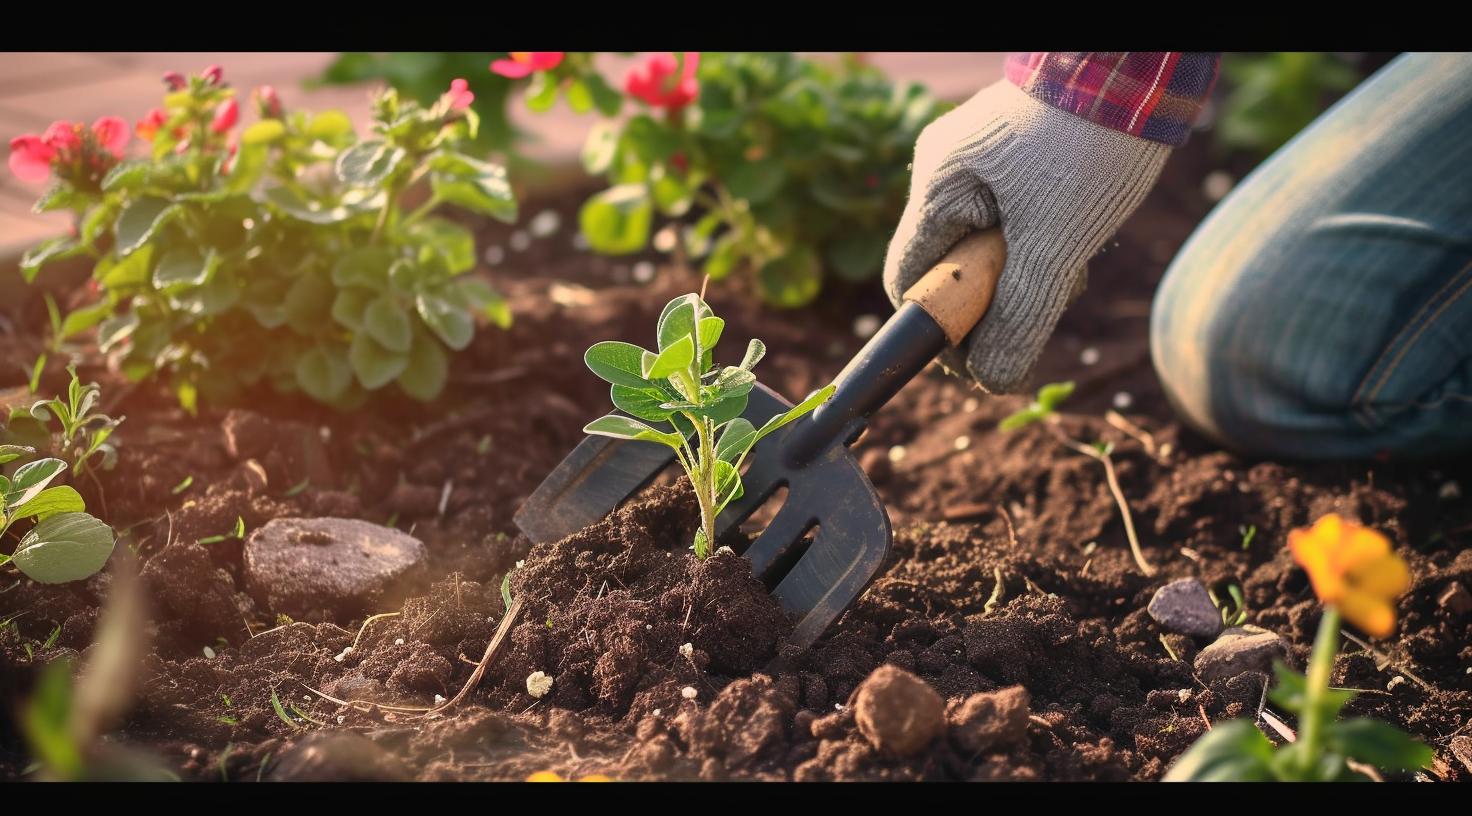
(226, 116)
(267, 102)
(30, 158)
(112, 134)
(63, 136)
(174, 80)
(525, 63)
(214, 74)
(657, 84)
(149, 125)
(459, 94)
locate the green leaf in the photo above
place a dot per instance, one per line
(365, 266)
(643, 403)
(428, 370)
(388, 323)
(812, 401)
(734, 380)
(128, 175)
(315, 212)
(738, 438)
(349, 305)
(600, 147)
(486, 302)
(678, 317)
(1052, 395)
(728, 484)
(1021, 418)
(650, 141)
(58, 196)
(9, 453)
(579, 98)
(672, 194)
(756, 181)
(369, 163)
(329, 126)
(1291, 692)
(84, 319)
(64, 547)
(488, 194)
(140, 220)
(375, 365)
(453, 242)
(617, 220)
(755, 351)
(720, 412)
(265, 131)
(49, 502)
(607, 100)
(324, 372)
(792, 280)
(448, 321)
(541, 93)
(1233, 751)
(308, 302)
(622, 427)
(618, 363)
(1378, 743)
(53, 249)
(184, 266)
(48, 722)
(710, 333)
(676, 357)
(30, 479)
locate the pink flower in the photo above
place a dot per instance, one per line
(656, 83)
(64, 137)
(226, 116)
(149, 125)
(174, 80)
(112, 134)
(267, 102)
(30, 158)
(459, 94)
(525, 63)
(213, 74)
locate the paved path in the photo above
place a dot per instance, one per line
(39, 88)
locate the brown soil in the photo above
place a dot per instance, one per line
(607, 611)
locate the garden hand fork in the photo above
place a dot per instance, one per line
(814, 577)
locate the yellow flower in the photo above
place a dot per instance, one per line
(1352, 569)
(553, 776)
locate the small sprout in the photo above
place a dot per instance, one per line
(506, 589)
(183, 486)
(238, 532)
(686, 650)
(689, 693)
(695, 407)
(1042, 408)
(538, 684)
(209, 653)
(1248, 531)
(297, 488)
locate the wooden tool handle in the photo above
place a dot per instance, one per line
(957, 291)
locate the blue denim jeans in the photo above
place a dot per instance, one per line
(1323, 310)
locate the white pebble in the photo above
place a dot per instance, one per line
(725, 551)
(341, 719)
(1089, 356)
(521, 563)
(1450, 491)
(544, 223)
(643, 272)
(686, 649)
(689, 692)
(666, 239)
(897, 453)
(970, 405)
(1216, 185)
(307, 697)
(838, 706)
(1394, 681)
(658, 711)
(538, 684)
(963, 442)
(648, 626)
(439, 698)
(1184, 695)
(344, 653)
(865, 325)
(1123, 400)
(209, 653)
(519, 241)
(398, 641)
(494, 255)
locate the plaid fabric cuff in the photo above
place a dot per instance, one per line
(1155, 95)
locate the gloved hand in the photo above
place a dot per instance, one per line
(1058, 184)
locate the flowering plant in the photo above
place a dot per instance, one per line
(1355, 575)
(279, 253)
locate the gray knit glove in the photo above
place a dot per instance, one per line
(1059, 185)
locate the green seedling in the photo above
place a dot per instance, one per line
(680, 386)
(1248, 531)
(183, 486)
(1044, 410)
(237, 532)
(81, 435)
(1234, 610)
(66, 544)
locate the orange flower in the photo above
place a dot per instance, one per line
(553, 776)
(1352, 569)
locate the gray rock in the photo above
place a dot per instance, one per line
(1240, 649)
(1184, 606)
(337, 756)
(332, 567)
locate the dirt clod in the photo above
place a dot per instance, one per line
(337, 756)
(1240, 649)
(989, 720)
(328, 568)
(898, 712)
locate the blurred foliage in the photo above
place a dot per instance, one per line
(423, 77)
(1272, 96)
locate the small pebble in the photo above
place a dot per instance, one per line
(865, 325)
(544, 224)
(666, 239)
(687, 649)
(209, 653)
(538, 684)
(838, 706)
(1089, 356)
(643, 272)
(1394, 681)
(439, 698)
(689, 692)
(725, 551)
(398, 641)
(1123, 400)
(519, 241)
(962, 443)
(648, 626)
(658, 711)
(494, 255)
(897, 453)
(1216, 185)
(344, 653)
(970, 405)
(341, 719)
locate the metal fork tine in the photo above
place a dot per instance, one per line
(780, 536)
